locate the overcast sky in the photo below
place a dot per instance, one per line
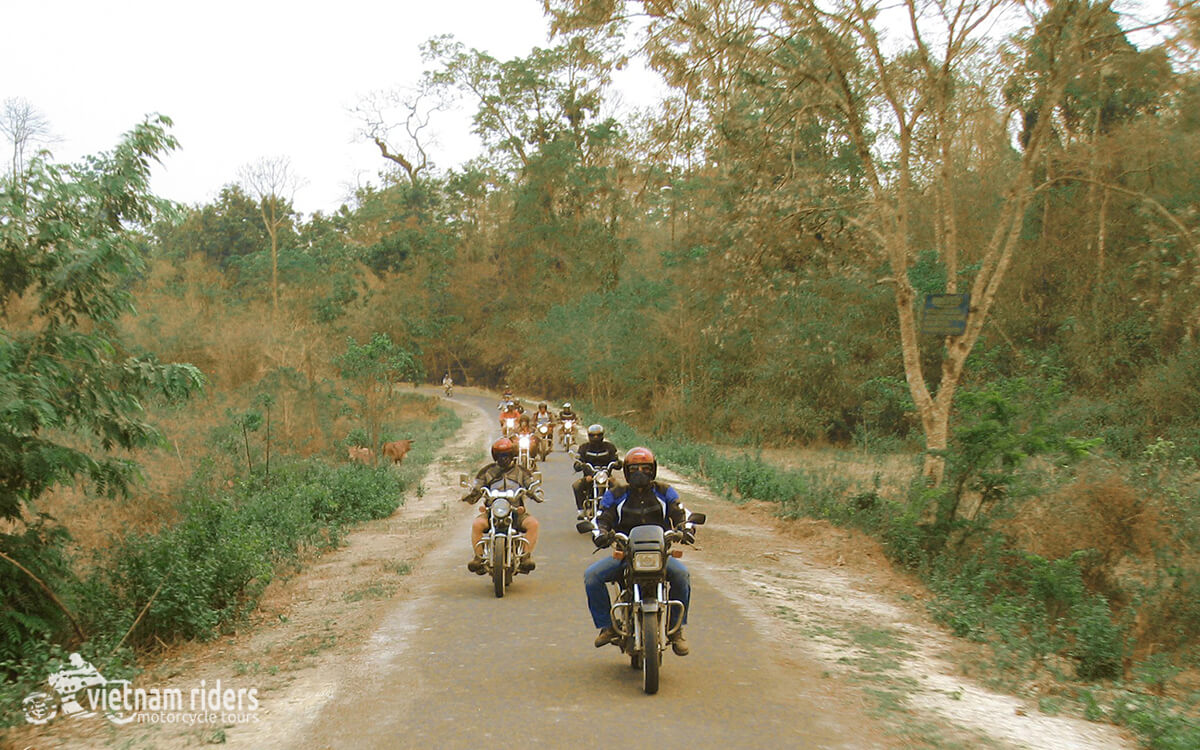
(242, 79)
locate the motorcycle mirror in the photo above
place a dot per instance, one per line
(584, 527)
(537, 477)
(462, 480)
(697, 519)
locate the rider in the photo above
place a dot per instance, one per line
(596, 453)
(644, 501)
(525, 427)
(508, 412)
(504, 472)
(567, 414)
(543, 417)
(506, 400)
(447, 381)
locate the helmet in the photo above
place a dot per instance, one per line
(640, 456)
(567, 405)
(524, 419)
(504, 452)
(596, 433)
(541, 406)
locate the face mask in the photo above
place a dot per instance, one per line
(639, 479)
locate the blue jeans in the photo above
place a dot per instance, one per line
(609, 570)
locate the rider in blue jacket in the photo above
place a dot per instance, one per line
(643, 501)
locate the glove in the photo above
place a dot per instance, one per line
(602, 539)
(689, 536)
(470, 497)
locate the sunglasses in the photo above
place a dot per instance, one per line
(642, 468)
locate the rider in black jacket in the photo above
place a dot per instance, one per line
(644, 502)
(596, 453)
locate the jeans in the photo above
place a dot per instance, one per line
(609, 570)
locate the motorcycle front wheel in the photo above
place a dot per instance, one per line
(499, 566)
(650, 654)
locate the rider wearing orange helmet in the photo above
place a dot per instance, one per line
(642, 501)
(504, 473)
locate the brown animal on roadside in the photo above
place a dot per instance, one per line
(360, 454)
(397, 450)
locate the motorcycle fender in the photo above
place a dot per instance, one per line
(646, 604)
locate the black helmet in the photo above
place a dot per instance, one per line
(504, 452)
(596, 433)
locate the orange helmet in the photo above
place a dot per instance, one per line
(640, 456)
(504, 449)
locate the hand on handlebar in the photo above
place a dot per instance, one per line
(602, 539)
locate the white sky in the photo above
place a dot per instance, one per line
(243, 79)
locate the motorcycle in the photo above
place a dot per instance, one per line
(568, 434)
(508, 426)
(545, 433)
(525, 452)
(643, 611)
(503, 545)
(601, 481)
(449, 390)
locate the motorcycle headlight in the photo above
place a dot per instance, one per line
(501, 508)
(601, 477)
(509, 421)
(647, 562)
(524, 441)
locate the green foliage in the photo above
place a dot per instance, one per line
(207, 571)
(67, 244)
(27, 615)
(1001, 425)
(224, 231)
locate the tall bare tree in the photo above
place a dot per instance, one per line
(398, 121)
(25, 128)
(273, 183)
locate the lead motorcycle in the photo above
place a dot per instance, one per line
(644, 609)
(503, 545)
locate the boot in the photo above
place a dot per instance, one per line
(679, 643)
(607, 636)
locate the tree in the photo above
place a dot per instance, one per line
(376, 366)
(381, 112)
(273, 184)
(899, 108)
(70, 393)
(24, 127)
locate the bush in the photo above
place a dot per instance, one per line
(210, 569)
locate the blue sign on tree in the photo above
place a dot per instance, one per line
(945, 314)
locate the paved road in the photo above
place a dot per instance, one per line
(456, 667)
